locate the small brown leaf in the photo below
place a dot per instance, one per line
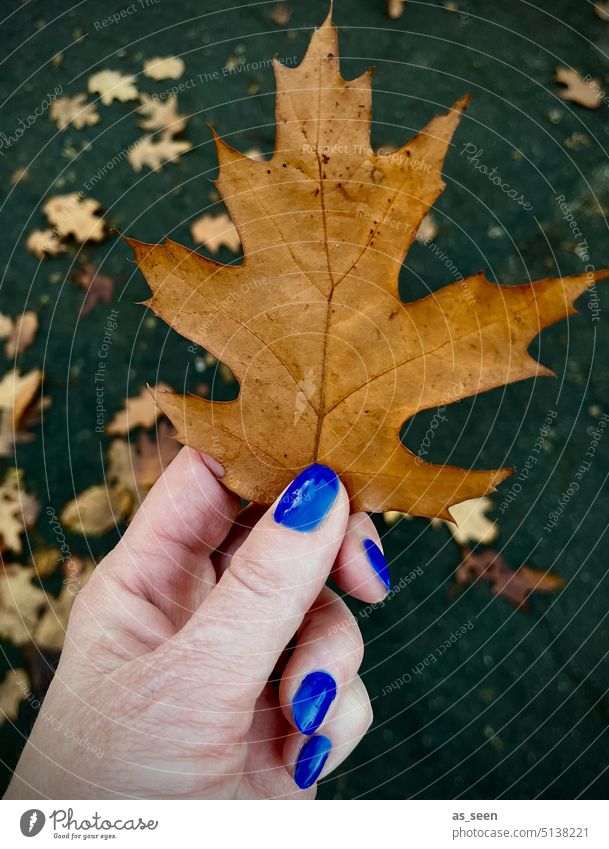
(21, 604)
(139, 411)
(19, 398)
(601, 7)
(166, 68)
(512, 585)
(470, 524)
(161, 114)
(18, 510)
(586, 93)
(154, 154)
(19, 332)
(97, 510)
(281, 14)
(73, 215)
(98, 287)
(215, 232)
(44, 243)
(13, 690)
(395, 9)
(73, 111)
(112, 85)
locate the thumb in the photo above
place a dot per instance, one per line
(272, 581)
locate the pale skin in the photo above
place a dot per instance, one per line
(171, 645)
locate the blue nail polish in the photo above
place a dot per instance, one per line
(308, 499)
(311, 760)
(377, 561)
(312, 700)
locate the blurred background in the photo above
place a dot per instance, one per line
(487, 667)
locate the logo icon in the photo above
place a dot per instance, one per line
(32, 822)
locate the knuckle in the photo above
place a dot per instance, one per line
(252, 576)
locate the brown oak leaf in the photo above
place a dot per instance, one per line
(586, 93)
(73, 215)
(325, 226)
(161, 114)
(74, 111)
(154, 153)
(98, 287)
(21, 604)
(514, 586)
(13, 690)
(140, 411)
(19, 332)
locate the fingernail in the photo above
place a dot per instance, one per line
(377, 561)
(308, 499)
(311, 760)
(312, 700)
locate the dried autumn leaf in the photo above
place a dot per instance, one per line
(74, 111)
(164, 68)
(161, 114)
(139, 411)
(19, 396)
(318, 289)
(98, 287)
(586, 93)
(395, 9)
(281, 14)
(21, 604)
(154, 154)
(213, 232)
(470, 522)
(51, 629)
(602, 9)
(13, 690)
(19, 332)
(44, 242)
(97, 510)
(137, 466)
(73, 215)
(18, 510)
(112, 85)
(512, 585)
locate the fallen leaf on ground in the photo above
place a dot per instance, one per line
(139, 411)
(156, 153)
(161, 114)
(51, 629)
(97, 510)
(586, 93)
(512, 585)
(44, 242)
(20, 407)
(19, 332)
(73, 111)
(470, 524)
(602, 10)
(21, 604)
(395, 9)
(112, 85)
(73, 215)
(13, 690)
(281, 14)
(165, 68)
(18, 510)
(98, 287)
(19, 176)
(428, 229)
(318, 289)
(45, 560)
(213, 232)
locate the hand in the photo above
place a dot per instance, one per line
(169, 683)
